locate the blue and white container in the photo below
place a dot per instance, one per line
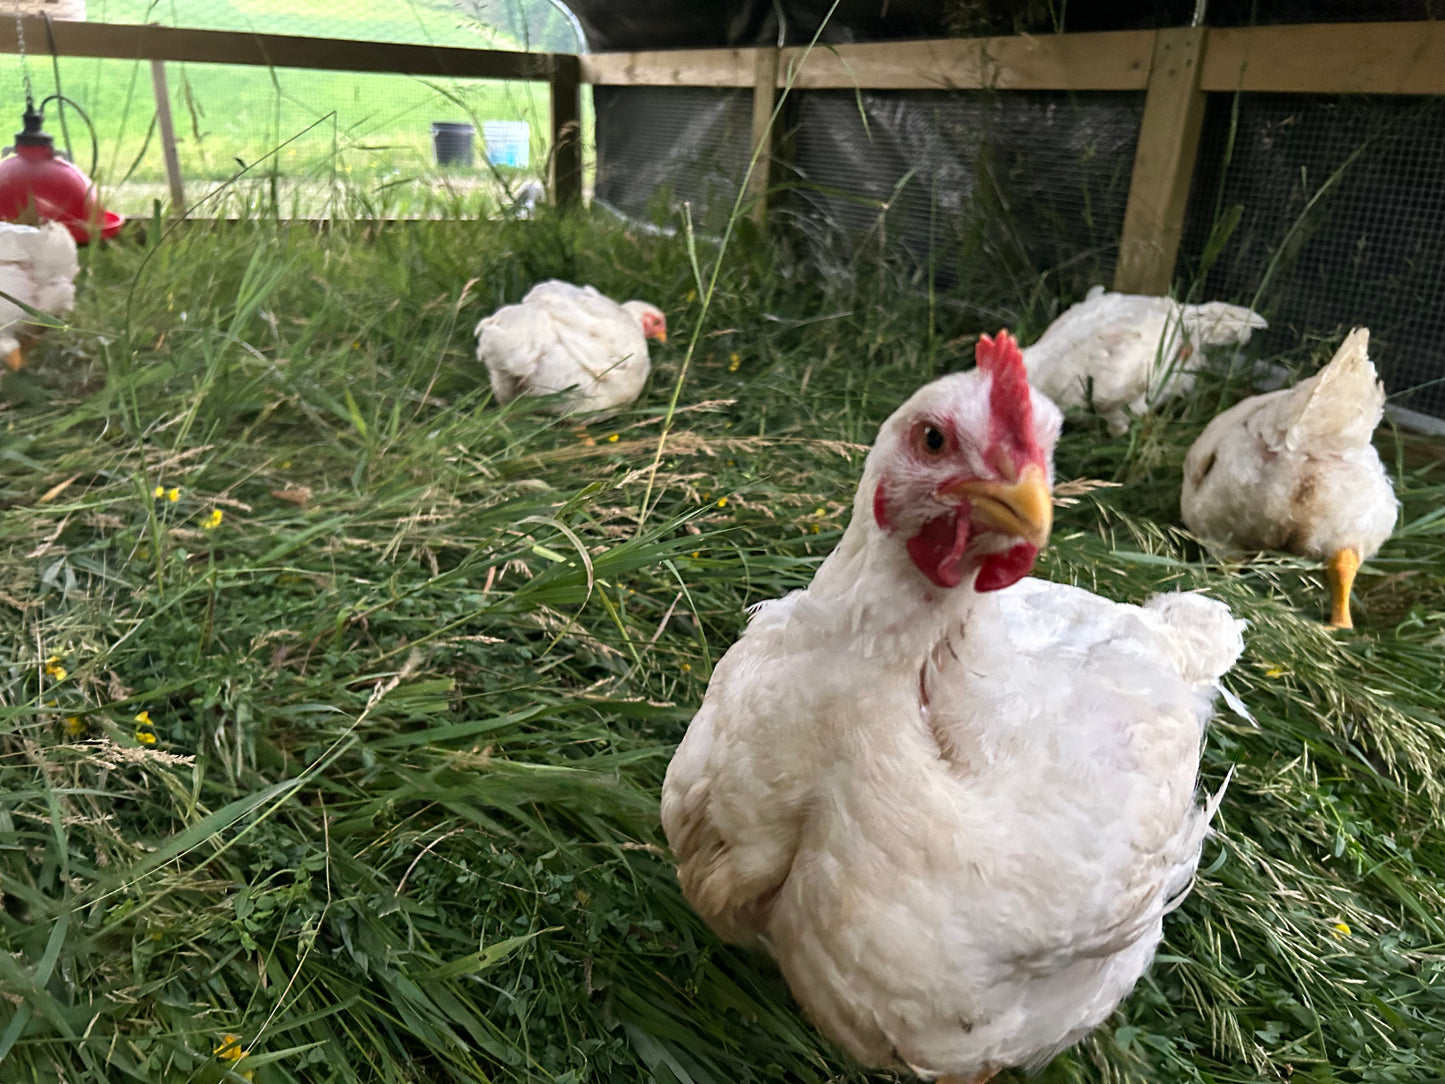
(508, 142)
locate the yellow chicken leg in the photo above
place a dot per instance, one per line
(1341, 572)
(15, 360)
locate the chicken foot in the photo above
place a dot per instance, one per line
(15, 360)
(1341, 573)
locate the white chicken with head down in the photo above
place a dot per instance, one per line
(953, 803)
(1294, 470)
(1119, 352)
(572, 343)
(38, 266)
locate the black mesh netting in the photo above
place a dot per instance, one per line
(661, 146)
(1341, 221)
(1036, 181)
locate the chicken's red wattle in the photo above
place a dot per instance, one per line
(937, 548)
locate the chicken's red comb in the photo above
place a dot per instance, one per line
(1011, 413)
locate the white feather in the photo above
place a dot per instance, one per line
(570, 342)
(37, 265)
(1119, 352)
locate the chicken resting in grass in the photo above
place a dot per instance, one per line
(37, 266)
(953, 802)
(573, 343)
(1294, 470)
(1120, 352)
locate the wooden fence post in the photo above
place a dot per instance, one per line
(1163, 163)
(168, 137)
(765, 100)
(565, 165)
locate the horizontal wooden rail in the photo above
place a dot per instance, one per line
(1334, 58)
(1327, 58)
(125, 42)
(1106, 61)
(1331, 58)
(1117, 60)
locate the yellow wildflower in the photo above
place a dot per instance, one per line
(1342, 929)
(229, 1048)
(687, 667)
(144, 719)
(54, 670)
(173, 494)
(696, 554)
(1274, 672)
(211, 522)
(734, 360)
(820, 511)
(74, 725)
(722, 502)
(145, 737)
(691, 296)
(816, 528)
(158, 492)
(613, 438)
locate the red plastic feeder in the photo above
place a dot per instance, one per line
(36, 184)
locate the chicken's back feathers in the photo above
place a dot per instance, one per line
(1218, 323)
(1118, 351)
(568, 339)
(1295, 469)
(38, 265)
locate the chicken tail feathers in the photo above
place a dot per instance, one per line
(1339, 407)
(1218, 323)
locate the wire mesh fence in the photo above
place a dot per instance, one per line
(1337, 208)
(1037, 181)
(307, 142)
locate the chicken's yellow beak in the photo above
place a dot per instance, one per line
(1024, 508)
(660, 336)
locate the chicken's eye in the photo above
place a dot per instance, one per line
(933, 440)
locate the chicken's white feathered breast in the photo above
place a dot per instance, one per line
(38, 265)
(1294, 470)
(954, 803)
(571, 342)
(1119, 352)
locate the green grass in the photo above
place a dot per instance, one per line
(312, 131)
(414, 694)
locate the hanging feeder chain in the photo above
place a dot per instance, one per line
(24, 66)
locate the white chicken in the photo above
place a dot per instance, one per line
(1119, 352)
(38, 266)
(1294, 470)
(570, 342)
(953, 803)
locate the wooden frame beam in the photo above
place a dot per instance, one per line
(1327, 58)
(168, 137)
(1163, 164)
(765, 101)
(126, 42)
(1113, 60)
(672, 68)
(1116, 60)
(564, 167)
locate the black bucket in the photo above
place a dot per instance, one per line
(452, 142)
